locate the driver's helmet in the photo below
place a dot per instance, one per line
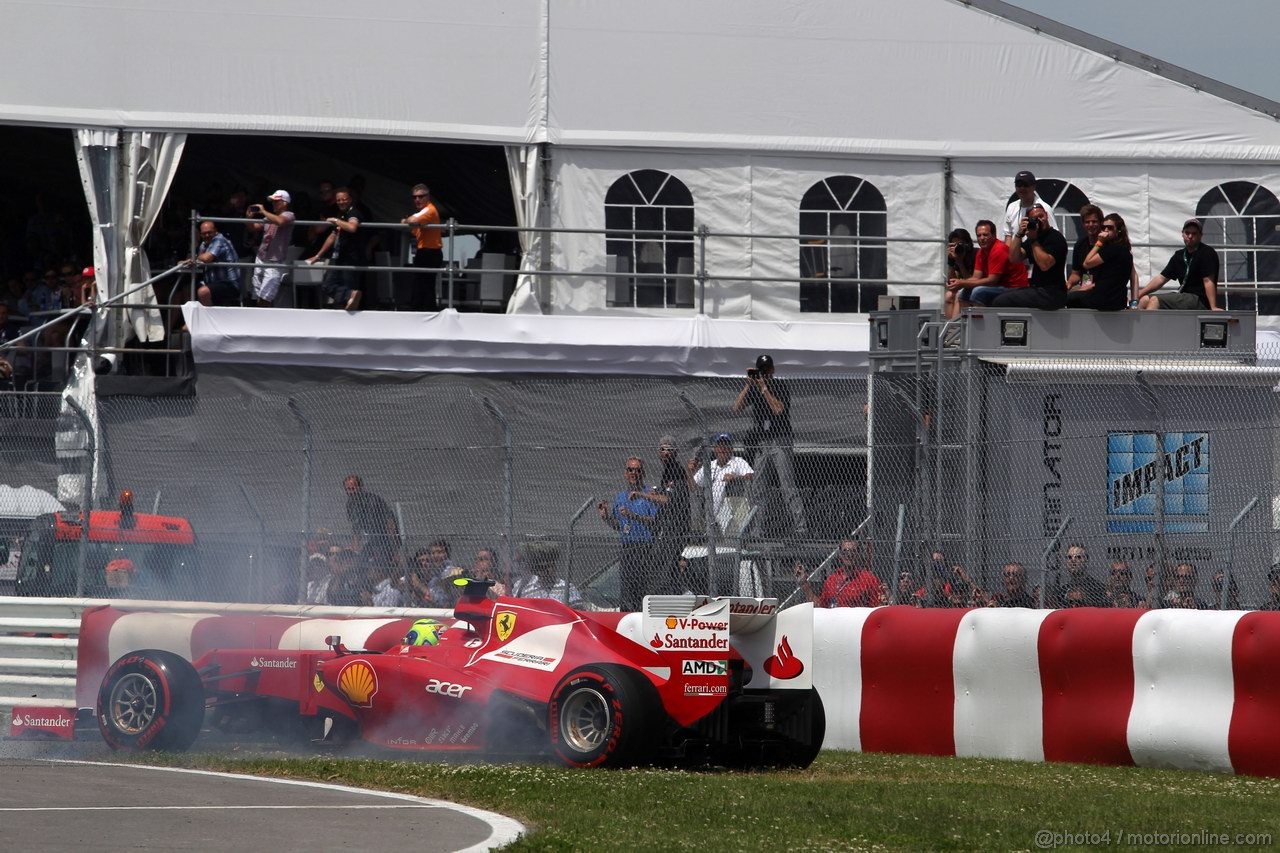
(425, 632)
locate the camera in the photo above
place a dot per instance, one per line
(1033, 225)
(752, 373)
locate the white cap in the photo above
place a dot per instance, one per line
(282, 195)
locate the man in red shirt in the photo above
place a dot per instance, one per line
(993, 274)
(850, 585)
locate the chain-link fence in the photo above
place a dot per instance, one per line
(516, 465)
(1072, 482)
(983, 477)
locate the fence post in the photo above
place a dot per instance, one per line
(508, 497)
(306, 497)
(1153, 404)
(1231, 552)
(255, 567)
(451, 225)
(568, 567)
(86, 500)
(1049, 548)
(195, 228)
(703, 232)
(708, 500)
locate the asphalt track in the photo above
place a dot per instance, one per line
(57, 804)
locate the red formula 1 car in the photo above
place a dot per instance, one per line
(690, 680)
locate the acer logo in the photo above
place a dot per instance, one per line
(704, 667)
(446, 688)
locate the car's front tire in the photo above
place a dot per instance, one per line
(150, 700)
(603, 715)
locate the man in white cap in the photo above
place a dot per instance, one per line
(274, 248)
(1025, 197)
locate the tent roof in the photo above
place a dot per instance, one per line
(913, 78)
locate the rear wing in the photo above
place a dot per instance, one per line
(776, 644)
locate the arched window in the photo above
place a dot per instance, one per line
(1242, 213)
(1066, 199)
(842, 226)
(649, 215)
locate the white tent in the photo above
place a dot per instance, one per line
(26, 502)
(749, 104)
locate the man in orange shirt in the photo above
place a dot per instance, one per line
(850, 585)
(428, 251)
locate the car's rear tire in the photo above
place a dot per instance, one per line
(150, 700)
(603, 715)
(807, 728)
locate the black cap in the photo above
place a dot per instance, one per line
(764, 362)
(1024, 177)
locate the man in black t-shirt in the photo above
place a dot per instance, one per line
(374, 531)
(770, 402)
(345, 246)
(1037, 240)
(1195, 268)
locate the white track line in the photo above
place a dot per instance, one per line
(503, 830)
(198, 808)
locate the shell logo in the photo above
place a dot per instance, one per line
(671, 623)
(359, 683)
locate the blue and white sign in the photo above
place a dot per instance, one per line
(1134, 471)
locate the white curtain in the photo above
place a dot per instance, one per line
(150, 163)
(126, 176)
(524, 165)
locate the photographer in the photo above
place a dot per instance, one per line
(1037, 240)
(770, 402)
(276, 237)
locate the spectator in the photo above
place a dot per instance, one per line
(221, 284)
(960, 255)
(8, 328)
(318, 578)
(1195, 269)
(770, 403)
(1047, 249)
(1014, 593)
(728, 472)
(347, 587)
(15, 291)
(992, 272)
(42, 294)
(632, 514)
(1273, 589)
(1111, 262)
(1231, 601)
(428, 249)
(1091, 221)
(422, 582)
(1024, 188)
(277, 234)
(1119, 587)
(1080, 589)
(484, 567)
(322, 210)
(384, 591)
(345, 246)
(851, 584)
(910, 592)
(671, 494)
(1182, 591)
(375, 535)
(237, 234)
(538, 577)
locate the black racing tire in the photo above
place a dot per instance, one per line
(150, 700)
(808, 727)
(603, 715)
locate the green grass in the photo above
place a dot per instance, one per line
(844, 801)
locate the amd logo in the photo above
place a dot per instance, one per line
(446, 688)
(704, 667)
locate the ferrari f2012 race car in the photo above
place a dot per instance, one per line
(724, 681)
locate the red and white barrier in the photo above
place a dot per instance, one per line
(1168, 688)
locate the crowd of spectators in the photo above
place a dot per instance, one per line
(852, 582)
(1030, 267)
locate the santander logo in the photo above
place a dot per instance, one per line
(784, 665)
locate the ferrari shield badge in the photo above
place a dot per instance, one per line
(505, 622)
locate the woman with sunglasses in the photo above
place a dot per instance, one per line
(1111, 263)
